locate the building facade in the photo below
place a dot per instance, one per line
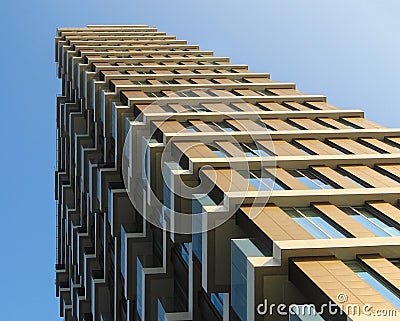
(190, 188)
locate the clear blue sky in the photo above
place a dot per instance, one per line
(346, 49)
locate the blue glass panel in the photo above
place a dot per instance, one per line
(310, 228)
(219, 153)
(217, 302)
(380, 288)
(123, 247)
(327, 227)
(161, 312)
(139, 289)
(185, 252)
(369, 225)
(240, 250)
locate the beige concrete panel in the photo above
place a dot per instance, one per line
(258, 80)
(392, 169)
(386, 209)
(132, 94)
(170, 126)
(202, 71)
(183, 71)
(154, 81)
(335, 123)
(231, 149)
(162, 71)
(332, 276)
(334, 176)
(245, 125)
(308, 123)
(282, 148)
(386, 269)
(381, 145)
(246, 92)
(352, 146)
(201, 81)
(286, 92)
(181, 81)
(278, 124)
(195, 150)
(297, 106)
(121, 82)
(218, 107)
(370, 176)
(362, 122)
(287, 179)
(228, 180)
(201, 93)
(274, 106)
(224, 81)
(395, 140)
(148, 109)
(201, 126)
(318, 147)
(246, 107)
(178, 108)
(344, 220)
(275, 223)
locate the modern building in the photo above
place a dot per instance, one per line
(190, 188)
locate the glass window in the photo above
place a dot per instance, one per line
(217, 299)
(185, 252)
(308, 178)
(241, 249)
(221, 126)
(141, 82)
(375, 283)
(189, 127)
(254, 149)
(155, 94)
(195, 108)
(264, 183)
(313, 222)
(187, 93)
(123, 249)
(359, 183)
(373, 223)
(225, 126)
(218, 152)
(396, 262)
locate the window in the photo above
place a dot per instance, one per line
(218, 152)
(185, 252)
(312, 221)
(169, 82)
(264, 183)
(308, 178)
(373, 223)
(347, 176)
(224, 126)
(155, 94)
(141, 82)
(241, 80)
(195, 108)
(217, 299)
(241, 249)
(187, 93)
(189, 127)
(253, 150)
(374, 283)
(396, 262)
(347, 123)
